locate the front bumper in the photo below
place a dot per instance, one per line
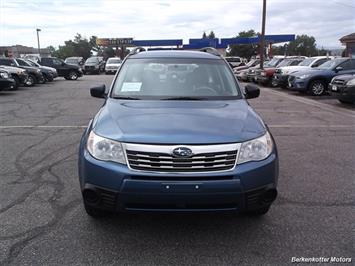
(110, 70)
(297, 84)
(280, 80)
(343, 92)
(262, 79)
(251, 77)
(120, 189)
(6, 83)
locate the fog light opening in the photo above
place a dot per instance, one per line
(90, 196)
(269, 195)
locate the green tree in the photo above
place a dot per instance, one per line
(303, 45)
(211, 35)
(204, 35)
(244, 50)
(79, 46)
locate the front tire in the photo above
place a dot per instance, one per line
(73, 75)
(317, 87)
(30, 81)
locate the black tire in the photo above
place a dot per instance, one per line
(259, 212)
(317, 87)
(94, 212)
(73, 75)
(30, 81)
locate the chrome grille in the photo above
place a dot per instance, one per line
(207, 158)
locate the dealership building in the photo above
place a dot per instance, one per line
(349, 42)
(20, 50)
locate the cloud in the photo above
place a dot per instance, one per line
(60, 20)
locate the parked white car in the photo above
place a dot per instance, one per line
(305, 64)
(112, 65)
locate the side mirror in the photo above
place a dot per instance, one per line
(339, 68)
(251, 91)
(98, 91)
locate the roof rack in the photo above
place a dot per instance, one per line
(137, 50)
(210, 50)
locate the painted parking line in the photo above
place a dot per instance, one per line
(311, 102)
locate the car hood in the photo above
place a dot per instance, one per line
(177, 122)
(346, 77)
(29, 68)
(313, 72)
(48, 68)
(12, 69)
(241, 68)
(91, 64)
(294, 69)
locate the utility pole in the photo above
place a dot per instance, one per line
(39, 48)
(262, 39)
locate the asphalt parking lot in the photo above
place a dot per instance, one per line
(42, 220)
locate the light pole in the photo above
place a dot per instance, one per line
(262, 40)
(39, 48)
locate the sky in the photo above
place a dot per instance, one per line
(60, 20)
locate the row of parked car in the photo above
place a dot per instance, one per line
(317, 75)
(16, 72)
(96, 64)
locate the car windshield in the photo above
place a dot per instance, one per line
(273, 62)
(285, 62)
(331, 63)
(306, 62)
(114, 61)
(92, 60)
(32, 63)
(164, 78)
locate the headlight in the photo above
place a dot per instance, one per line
(38, 71)
(263, 73)
(105, 149)
(256, 149)
(351, 82)
(96, 66)
(4, 75)
(304, 76)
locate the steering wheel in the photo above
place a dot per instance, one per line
(205, 91)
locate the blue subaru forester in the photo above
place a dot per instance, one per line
(176, 134)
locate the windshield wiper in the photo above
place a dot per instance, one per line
(126, 98)
(181, 98)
